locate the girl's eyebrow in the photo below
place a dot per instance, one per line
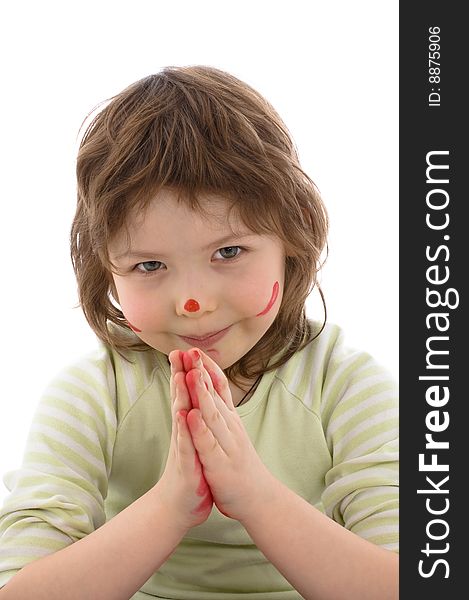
(146, 253)
(228, 238)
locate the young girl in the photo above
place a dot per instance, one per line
(219, 444)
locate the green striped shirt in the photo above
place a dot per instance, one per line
(325, 424)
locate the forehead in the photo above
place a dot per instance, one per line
(169, 205)
(172, 218)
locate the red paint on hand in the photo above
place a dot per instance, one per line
(192, 379)
(203, 490)
(186, 361)
(204, 505)
(190, 359)
(272, 300)
(192, 305)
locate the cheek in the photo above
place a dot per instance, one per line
(262, 293)
(272, 300)
(141, 313)
(259, 298)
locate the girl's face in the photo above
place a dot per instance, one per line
(186, 280)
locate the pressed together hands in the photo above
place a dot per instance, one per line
(211, 458)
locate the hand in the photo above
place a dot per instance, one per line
(183, 486)
(237, 477)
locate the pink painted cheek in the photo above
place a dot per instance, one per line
(138, 315)
(135, 312)
(273, 298)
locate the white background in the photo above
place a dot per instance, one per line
(329, 68)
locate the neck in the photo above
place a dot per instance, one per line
(238, 393)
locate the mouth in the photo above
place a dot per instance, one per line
(205, 340)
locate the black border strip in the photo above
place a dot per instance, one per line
(433, 251)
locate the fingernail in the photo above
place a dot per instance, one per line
(196, 355)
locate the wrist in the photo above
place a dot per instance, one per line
(267, 498)
(166, 504)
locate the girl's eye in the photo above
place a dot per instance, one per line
(229, 252)
(149, 266)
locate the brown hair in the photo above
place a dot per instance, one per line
(196, 130)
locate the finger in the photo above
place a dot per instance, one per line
(185, 446)
(212, 416)
(182, 400)
(220, 404)
(176, 362)
(193, 360)
(189, 461)
(218, 379)
(187, 361)
(205, 443)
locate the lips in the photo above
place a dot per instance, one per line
(205, 340)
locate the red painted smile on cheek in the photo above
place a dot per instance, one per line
(275, 291)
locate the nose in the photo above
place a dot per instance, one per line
(194, 293)
(195, 306)
(192, 305)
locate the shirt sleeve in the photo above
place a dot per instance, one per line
(360, 420)
(57, 496)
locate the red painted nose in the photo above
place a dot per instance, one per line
(191, 305)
